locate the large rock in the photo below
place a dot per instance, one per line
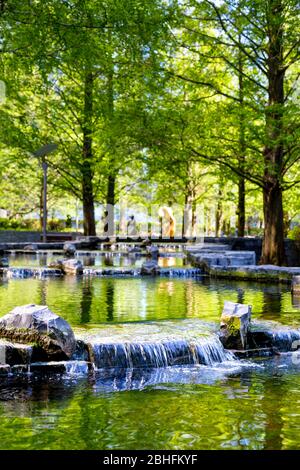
(235, 323)
(72, 266)
(68, 266)
(153, 252)
(37, 324)
(69, 249)
(149, 268)
(4, 263)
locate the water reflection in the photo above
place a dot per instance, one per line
(96, 300)
(272, 303)
(86, 300)
(110, 297)
(244, 407)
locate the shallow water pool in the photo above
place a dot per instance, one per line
(90, 301)
(231, 405)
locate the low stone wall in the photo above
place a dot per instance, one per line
(264, 273)
(14, 236)
(292, 248)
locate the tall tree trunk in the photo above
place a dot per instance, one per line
(241, 207)
(242, 151)
(218, 215)
(110, 204)
(87, 151)
(41, 205)
(111, 183)
(273, 244)
(188, 219)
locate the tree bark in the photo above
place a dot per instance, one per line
(87, 151)
(218, 216)
(241, 207)
(110, 204)
(189, 214)
(111, 182)
(41, 215)
(273, 244)
(242, 150)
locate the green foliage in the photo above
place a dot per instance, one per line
(166, 101)
(294, 234)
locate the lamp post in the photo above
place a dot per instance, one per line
(42, 153)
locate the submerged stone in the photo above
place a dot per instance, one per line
(152, 252)
(14, 353)
(31, 247)
(69, 249)
(72, 266)
(4, 369)
(68, 266)
(235, 322)
(149, 268)
(37, 324)
(4, 263)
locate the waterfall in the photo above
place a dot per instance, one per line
(26, 273)
(77, 367)
(205, 351)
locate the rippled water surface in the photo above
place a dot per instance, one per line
(92, 301)
(239, 404)
(180, 408)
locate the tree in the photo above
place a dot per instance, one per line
(265, 38)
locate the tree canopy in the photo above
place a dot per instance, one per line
(162, 102)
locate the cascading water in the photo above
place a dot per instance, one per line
(155, 344)
(25, 273)
(206, 351)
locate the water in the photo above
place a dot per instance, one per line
(175, 408)
(213, 403)
(92, 301)
(96, 259)
(155, 344)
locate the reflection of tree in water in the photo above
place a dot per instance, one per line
(240, 296)
(110, 293)
(108, 260)
(42, 292)
(86, 299)
(272, 403)
(263, 421)
(272, 302)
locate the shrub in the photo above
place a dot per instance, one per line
(55, 225)
(294, 234)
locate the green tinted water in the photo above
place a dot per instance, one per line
(96, 300)
(242, 406)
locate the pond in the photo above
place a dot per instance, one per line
(234, 404)
(89, 300)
